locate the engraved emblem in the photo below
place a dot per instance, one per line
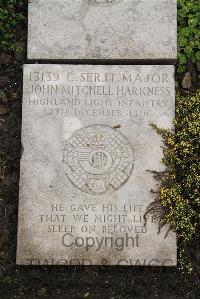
(98, 159)
(103, 2)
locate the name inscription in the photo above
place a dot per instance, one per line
(88, 94)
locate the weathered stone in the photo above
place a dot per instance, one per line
(3, 97)
(88, 146)
(187, 81)
(126, 29)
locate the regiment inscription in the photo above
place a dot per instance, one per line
(88, 153)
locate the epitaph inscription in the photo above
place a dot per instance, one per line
(86, 178)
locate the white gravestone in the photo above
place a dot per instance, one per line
(102, 29)
(88, 153)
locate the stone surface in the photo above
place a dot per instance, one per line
(88, 150)
(101, 29)
(187, 81)
(3, 97)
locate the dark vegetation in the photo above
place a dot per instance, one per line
(188, 33)
(178, 196)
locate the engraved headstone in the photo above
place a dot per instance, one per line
(88, 153)
(102, 29)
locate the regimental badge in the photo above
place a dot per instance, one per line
(98, 159)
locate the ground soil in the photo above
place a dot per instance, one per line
(61, 282)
